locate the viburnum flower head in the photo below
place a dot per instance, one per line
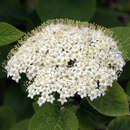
(66, 57)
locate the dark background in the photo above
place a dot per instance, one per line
(22, 13)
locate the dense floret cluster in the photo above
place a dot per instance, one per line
(67, 58)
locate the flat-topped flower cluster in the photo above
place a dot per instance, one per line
(67, 58)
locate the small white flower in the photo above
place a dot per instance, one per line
(41, 100)
(67, 58)
(93, 94)
(50, 99)
(62, 100)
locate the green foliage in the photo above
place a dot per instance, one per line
(72, 9)
(22, 125)
(12, 12)
(36, 107)
(123, 35)
(9, 34)
(19, 102)
(126, 72)
(88, 120)
(114, 103)
(73, 108)
(7, 118)
(3, 54)
(128, 88)
(51, 117)
(128, 24)
(120, 123)
(106, 18)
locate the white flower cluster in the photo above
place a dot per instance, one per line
(67, 58)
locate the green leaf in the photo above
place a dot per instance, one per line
(9, 34)
(113, 103)
(89, 118)
(3, 54)
(120, 123)
(128, 97)
(22, 125)
(128, 24)
(51, 117)
(106, 18)
(123, 35)
(128, 88)
(7, 118)
(126, 72)
(12, 12)
(82, 127)
(36, 107)
(18, 100)
(72, 9)
(73, 108)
